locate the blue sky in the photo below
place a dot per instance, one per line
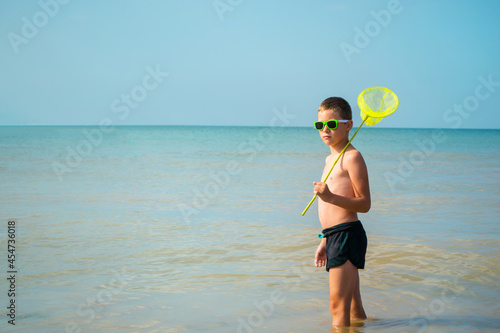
(231, 62)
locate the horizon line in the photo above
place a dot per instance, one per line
(173, 125)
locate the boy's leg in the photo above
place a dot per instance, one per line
(357, 311)
(342, 286)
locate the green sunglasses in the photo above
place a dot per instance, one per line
(331, 124)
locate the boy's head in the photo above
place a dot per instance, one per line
(338, 105)
(334, 108)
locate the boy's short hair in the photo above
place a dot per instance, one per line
(337, 104)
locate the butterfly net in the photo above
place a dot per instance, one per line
(376, 103)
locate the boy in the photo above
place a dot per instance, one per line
(345, 193)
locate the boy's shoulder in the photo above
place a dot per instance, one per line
(352, 152)
(353, 155)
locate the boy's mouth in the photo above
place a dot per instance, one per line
(326, 137)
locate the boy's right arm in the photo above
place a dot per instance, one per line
(320, 257)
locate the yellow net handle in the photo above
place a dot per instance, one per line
(338, 157)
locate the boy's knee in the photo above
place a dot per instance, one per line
(333, 306)
(338, 305)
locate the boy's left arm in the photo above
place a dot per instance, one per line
(358, 174)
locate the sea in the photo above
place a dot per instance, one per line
(199, 229)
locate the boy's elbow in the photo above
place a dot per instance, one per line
(366, 207)
(365, 210)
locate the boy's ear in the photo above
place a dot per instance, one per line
(350, 124)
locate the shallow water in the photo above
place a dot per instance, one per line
(157, 230)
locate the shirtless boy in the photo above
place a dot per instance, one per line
(346, 192)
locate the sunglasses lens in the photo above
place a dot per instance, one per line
(319, 125)
(332, 124)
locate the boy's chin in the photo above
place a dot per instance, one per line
(330, 143)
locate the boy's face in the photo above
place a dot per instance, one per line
(335, 136)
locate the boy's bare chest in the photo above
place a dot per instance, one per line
(338, 180)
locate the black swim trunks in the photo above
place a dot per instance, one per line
(345, 241)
